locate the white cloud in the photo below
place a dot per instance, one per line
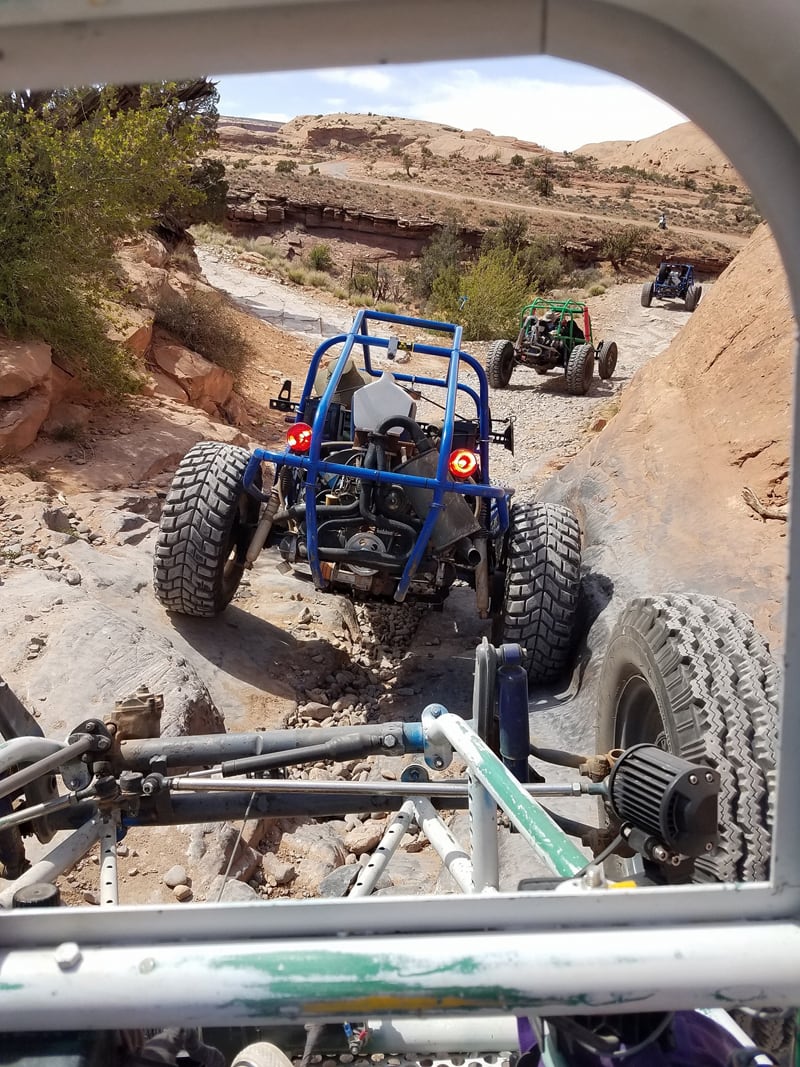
(553, 114)
(377, 81)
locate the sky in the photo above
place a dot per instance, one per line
(555, 103)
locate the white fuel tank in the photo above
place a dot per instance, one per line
(380, 400)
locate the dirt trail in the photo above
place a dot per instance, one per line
(342, 171)
(282, 644)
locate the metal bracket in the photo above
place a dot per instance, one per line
(504, 437)
(438, 754)
(283, 401)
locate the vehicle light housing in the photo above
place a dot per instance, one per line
(298, 437)
(463, 463)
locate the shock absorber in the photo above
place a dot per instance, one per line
(512, 711)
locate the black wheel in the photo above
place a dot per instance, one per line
(206, 527)
(647, 294)
(693, 294)
(500, 364)
(580, 370)
(691, 674)
(543, 560)
(606, 359)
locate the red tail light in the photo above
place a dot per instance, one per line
(298, 437)
(463, 463)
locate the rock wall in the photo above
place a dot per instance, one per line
(37, 396)
(260, 215)
(659, 492)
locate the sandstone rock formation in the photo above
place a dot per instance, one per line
(659, 490)
(25, 392)
(681, 150)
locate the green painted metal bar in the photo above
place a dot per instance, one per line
(549, 841)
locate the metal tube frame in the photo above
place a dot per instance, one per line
(699, 944)
(314, 465)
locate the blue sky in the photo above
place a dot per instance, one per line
(558, 104)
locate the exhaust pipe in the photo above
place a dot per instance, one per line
(263, 528)
(467, 553)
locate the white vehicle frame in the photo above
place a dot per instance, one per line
(642, 949)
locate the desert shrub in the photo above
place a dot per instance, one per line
(511, 233)
(208, 178)
(373, 278)
(517, 160)
(318, 279)
(618, 247)
(360, 281)
(285, 166)
(543, 185)
(298, 275)
(80, 169)
(542, 264)
(596, 290)
(386, 308)
(444, 250)
(206, 323)
(319, 257)
(494, 289)
(689, 183)
(582, 162)
(626, 190)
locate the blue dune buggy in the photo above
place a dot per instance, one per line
(370, 498)
(673, 281)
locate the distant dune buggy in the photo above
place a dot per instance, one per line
(553, 333)
(368, 498)
(673, 281)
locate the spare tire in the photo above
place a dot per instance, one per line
(691, 673)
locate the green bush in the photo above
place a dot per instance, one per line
(543, 264)
(543, 184)
(320, 257)
(318, 279)
(494, 289)
(511, 233)
(517, 160)
(285, 166)
(596, 290)
(80, 169)
(444, 250)
(206, 323)
(618, 247)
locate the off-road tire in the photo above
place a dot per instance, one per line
(500, 364)
(647, 294)
(693, 294)
(543, 561)
(691, 673)
(580, 370)
(206, 527)
(607, 359)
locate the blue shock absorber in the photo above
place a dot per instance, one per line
(512, 711)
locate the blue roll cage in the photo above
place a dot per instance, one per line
(666, 288)
(314, 465)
